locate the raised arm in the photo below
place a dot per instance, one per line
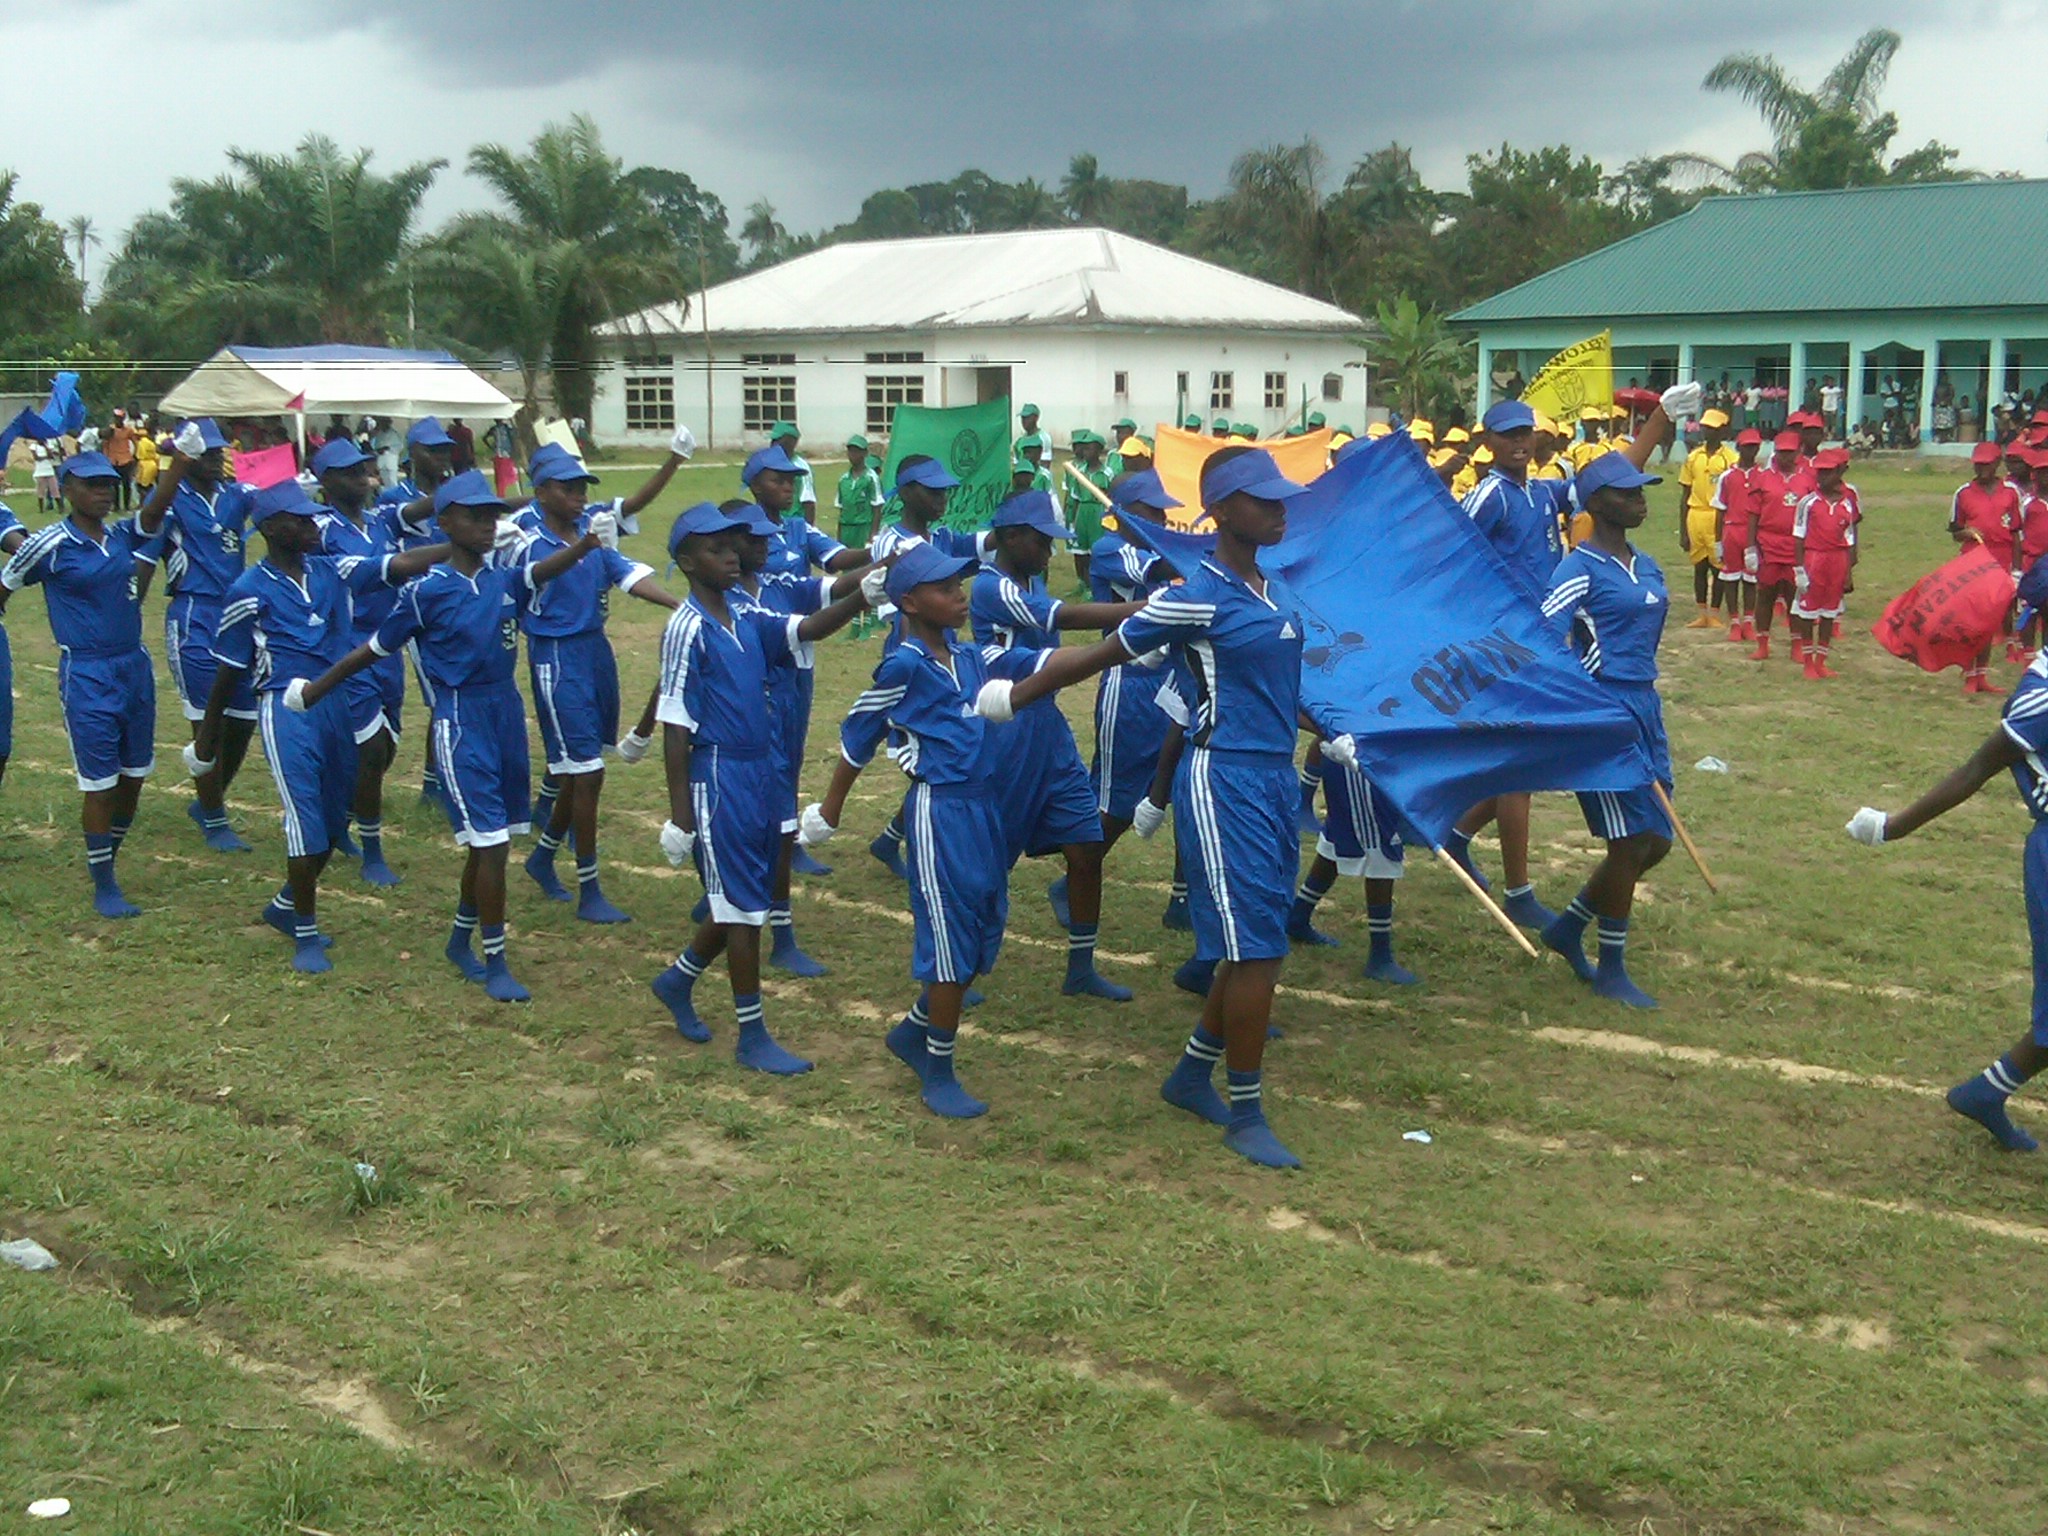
(1997, 753)
(185, 451)
(680, 447)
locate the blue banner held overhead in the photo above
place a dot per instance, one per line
(1420, 645)
(29, 424)
(65, 412)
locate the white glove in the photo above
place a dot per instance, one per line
(1682, 400)
(506, 541)
(1799, 581)
(677, 843)
(993, 702)
(606, 526)
(194, 763)
(683, 444)
(295, 695)
(1749, 560)
(813, 828)
(1147, 818)
(633, 746)
(1867, 826)
(874, 587)
(1341, 750)
(190, 441)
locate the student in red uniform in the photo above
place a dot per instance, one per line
(1824, 538)
(2029, 468)
(1986, 510)
(1735, 500)
(1777, 502)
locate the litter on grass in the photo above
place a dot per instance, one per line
(1421, 1137)
(27, 1253)
(1711, 765)
(49, 1509)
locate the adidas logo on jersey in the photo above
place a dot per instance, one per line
(1287, 631)
(1650, 599)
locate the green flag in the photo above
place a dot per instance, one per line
(972, 441)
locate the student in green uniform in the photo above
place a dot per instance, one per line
(859, 502)
(1220, 427)
(1245, 430)
(1192, 422)
(1119, 429)
(1084, 512)
(1027, 418)
(1317, 421)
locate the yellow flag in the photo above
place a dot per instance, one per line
(1179, 455)
(1579, 376)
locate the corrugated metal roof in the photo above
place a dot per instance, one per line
(1944, 245)
(1047, 277)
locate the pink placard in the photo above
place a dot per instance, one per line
(263, 467)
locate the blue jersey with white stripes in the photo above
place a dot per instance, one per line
(578, 601)
(2026, 723)
(206, 537)
(1521, 520)
(8, 521)
(714, 676)
(1008, 613)
(1122, 572)
(89, 585)
(1612, 611)
(276, 628)
(924, 706)
(1240, 650)
(797, 547)
(375, 539)
(467, 626)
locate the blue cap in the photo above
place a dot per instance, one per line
(756, 520)
(427, 433)
(1031, 509)
(704, 517)
(922, 563)
(1359, 445)
(1255, 472)
(1612, 470)
(87, 466)
(771, 457)
(1143, 489)
(210, 434)
(468, 489)
(341, 453)
(1508, 416)
(559, 465)
(926, 472)
(286, 498)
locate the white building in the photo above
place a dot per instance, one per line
(1087, 324)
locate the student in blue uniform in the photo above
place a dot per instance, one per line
(727, 787)
(1048, 803)
(464, 616)
(89, 570)
(429, 460)
(12, 536)
(1130, 727)
(289, 618)
(1360, 837)
(575, 676)
(1612, 599)
(922, 703)
(1235, 791)
(203, 517)
(355, 529)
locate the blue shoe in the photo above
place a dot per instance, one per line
(906, 1044)
(111, 903)
(289, 926)
(789, 957)
(501, 986)
(757, 1049)
(1570, 942)
(540, 867)
(434, 795)
(591, 907)
(219, 839)
(890, 851)
(1979, 1101)
(801, 863)
(1301, 928)
(1195, 975)
(1617, 986)
(1091, 983)
(346, 846)
(377, 872)
(1392, 972)
(1056, 893)
(973, 997)
(1195, 1092)
(310, 956)
(1254, 1141)
(463, 957)
(1528, 912)
(1176, 916)
(702, 910)
(670, 988)
(946, 1097)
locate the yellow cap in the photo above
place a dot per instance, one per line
(1457, 435)
(1715, 418)
(1339, 439)
(1593, 413)
(1618, 412)
(1422, 431)
(1439, 457)
(1482, 454)
(1378, 429)
(1545, 424)
(1134, 447)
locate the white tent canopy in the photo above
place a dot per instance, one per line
(338, 380)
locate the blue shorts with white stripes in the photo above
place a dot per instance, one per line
(1614, 814)
(376, 698)
(1046, 799)
(738, 800)
(1130, 730)
(189, 628)
(109, 705)
(1361, 830)
(479, 741)
(312, 760)
(959, 880)
(576, 695)
(1234, 823)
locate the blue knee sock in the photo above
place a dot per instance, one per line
(1459, 845)
(586, 871)
(118, 834)
(494, 944)
(1379, 921)
(689, 966)
(1245, 1105)
(1081, 949)
(546, 845)
(1613, 946)
(371, 835)
(99, 860)
(1572, 922)
(2003, 1078)
(938, 1056)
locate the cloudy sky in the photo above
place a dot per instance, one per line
(812, 104)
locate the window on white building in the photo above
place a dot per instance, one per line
(1222, 391)
(651, 393)
(1276, 391)
(766, 398)
(1120, 384)
(1180, 388)
(886, 391)
(1333, 386)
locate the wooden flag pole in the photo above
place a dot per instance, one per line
(1093, 489)
(1685, 837)
(1489, 903)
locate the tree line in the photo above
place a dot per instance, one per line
(317, 245)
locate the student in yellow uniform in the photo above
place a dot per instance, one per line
(1470, 470)
(1699, 521)
(1424, 432)
(1592, 441)
(1374, 430)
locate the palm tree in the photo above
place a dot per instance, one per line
(80, 229)
(505, 296)
(1084, 191)
(39, 292)
(1418, 361)
(1031, 205)
(763, 232)
(1275, 202)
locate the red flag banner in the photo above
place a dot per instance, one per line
(1945, 619)
(265, 467)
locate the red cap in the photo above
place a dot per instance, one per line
(1747, 436)
(1986, 452)
(1831, 458)
(1787, 441)
(2036, 437)
(2040, 416)
(2018, 453)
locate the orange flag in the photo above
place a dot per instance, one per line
(1178, 456)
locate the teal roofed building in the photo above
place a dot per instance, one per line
(1936, 294)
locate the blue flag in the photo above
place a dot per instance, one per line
(1185, 552)
(28, 424)
(1420, 644)
(65, 412)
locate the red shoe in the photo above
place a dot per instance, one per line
(1800, 653)
(1984, 684)
(1763, 649)
(1749, 628)
(1813, 671)
(1735, 633)
(1820, 665)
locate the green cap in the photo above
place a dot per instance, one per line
(1318, 419)
(1220, 424)
(1123, 424)
(782, 429)
(857, 441)
(1084, 435)
(1347, 431)
(1026, 409)
(1297, 431)
(1243, 429)
(1192, 422)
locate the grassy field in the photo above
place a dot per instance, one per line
(1731, 1267)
